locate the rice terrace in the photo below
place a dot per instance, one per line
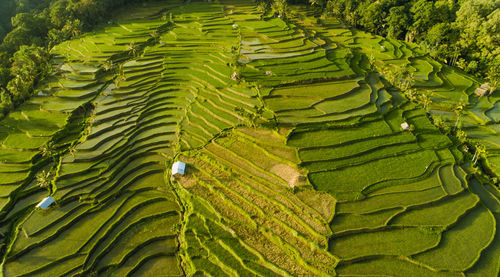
(210, 138)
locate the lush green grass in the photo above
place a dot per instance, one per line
(389, 266)
(476, 228)
(404, 242)
(342, 181)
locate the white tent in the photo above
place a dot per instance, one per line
(178, 168)
(45, 203)
(405, 126)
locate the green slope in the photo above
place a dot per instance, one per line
(297, 166)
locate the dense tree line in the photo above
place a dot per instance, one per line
(462, 33)
(29, 28)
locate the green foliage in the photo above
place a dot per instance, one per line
(280, 7)
(44, 179)
(250, 199)
(29, 65)
(5, 102)
(398, 22)
(449, 30)
(25, 24)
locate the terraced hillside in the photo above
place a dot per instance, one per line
(450, 91)
(297, 164)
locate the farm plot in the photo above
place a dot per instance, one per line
(170, 96)
(275, 52)
(390, 184)
(399, 196)
(447, 87)
(251, 209)
(112, 177)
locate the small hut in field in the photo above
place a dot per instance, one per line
(45, 203)
(178, 169)
(405, 126)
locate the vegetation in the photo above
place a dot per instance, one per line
(30, 28)
(459, 33)
(298, 165)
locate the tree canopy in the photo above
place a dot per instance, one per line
(463, 33)
(29, 28)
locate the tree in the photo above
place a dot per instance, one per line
(335, 8)
(7, 10)
(469, 19)
(398, 22)
(71, 29)
(30, 63)
(461, 136)
(89, 12)
(439, 122)
(459, 108)
(320, 3)
(75, 27)
(412, 94)
(493, 74)
(403, 78)
(423, 16)
(445, 10)
(425, 100)
(250, 118)
(372, 16)
(108, 65)
(480, 150)
(351, 13)
(478, 22)
(120, 76)
(280, 7)
(44, 179)
(155, 36)
(4, 76)
(5, 102)
(133, 49)
(48, 150)
(60, 12)
(29, 29)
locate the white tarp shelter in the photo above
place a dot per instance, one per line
(405, 126)
(178, 168)
(45, 203)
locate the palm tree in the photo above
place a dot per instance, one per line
(404, 77)
(480, 150)
(458, 114)
(462, 136)
(120, 76)
(133, 48)
(409, 79)
(459, 111)
(412, 94)
(155, 36)
(44, 179)
(47, 150)
(425, 100)
(108, 65)
(281, 7)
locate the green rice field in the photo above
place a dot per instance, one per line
(297, 164)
